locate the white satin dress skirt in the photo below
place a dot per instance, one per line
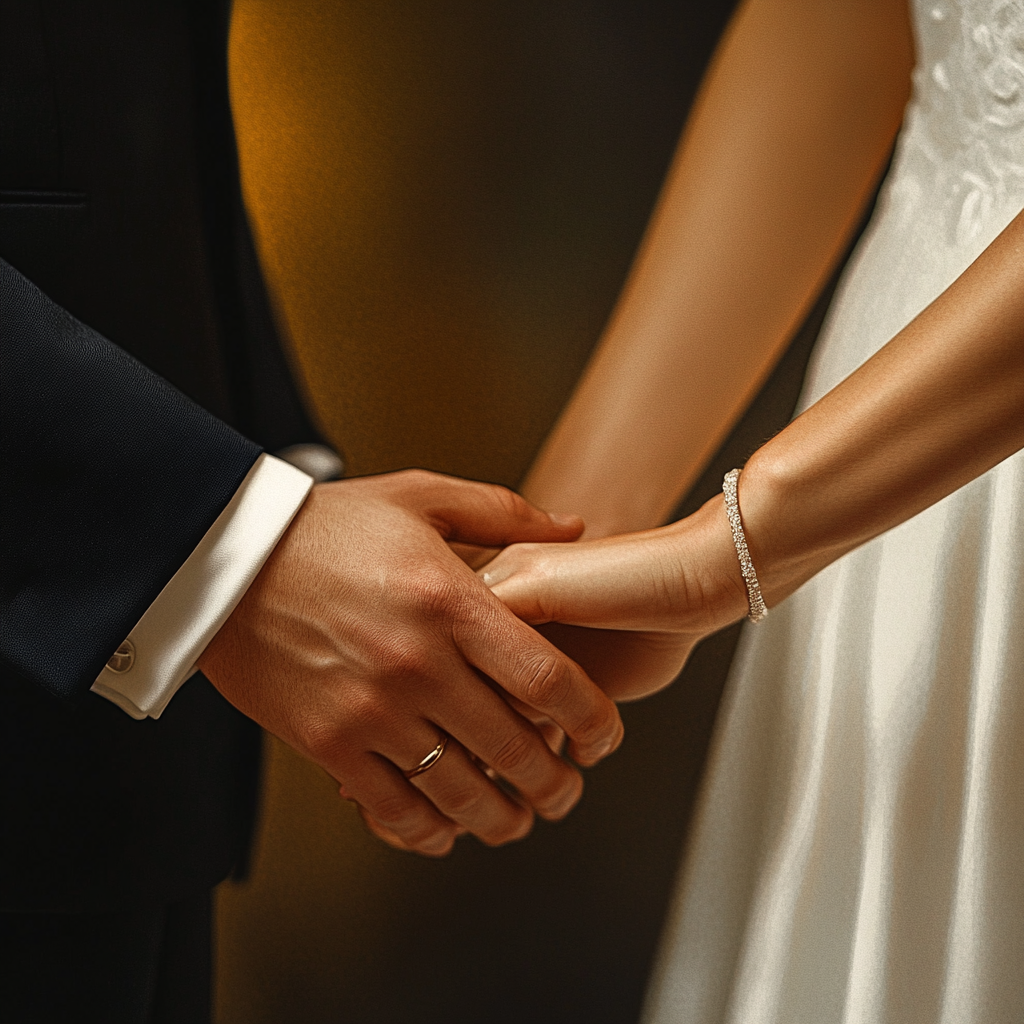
(857, 854)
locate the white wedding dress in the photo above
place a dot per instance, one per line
(858, 850)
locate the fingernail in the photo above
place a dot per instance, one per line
(565, 518)
(567, 802)
(437, 845)
(566, 805)
(492, 577)
(607, 746)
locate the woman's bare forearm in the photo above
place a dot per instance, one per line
(936, 407)
(932, 410)
(786, 141)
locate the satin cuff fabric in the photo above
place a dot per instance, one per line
(176, 628)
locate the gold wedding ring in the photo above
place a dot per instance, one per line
(430, 760)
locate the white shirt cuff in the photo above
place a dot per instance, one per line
(162, 650)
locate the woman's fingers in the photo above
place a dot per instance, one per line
(627, 665)
(622, 608)
(581, 583)
(639, 581)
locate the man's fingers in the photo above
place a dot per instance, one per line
(484, 514)
(481, 725)
(508, 747)
(475, 556)
(554, 734)
(399, 808)
(523, 663)
(375, 828)
(453, 783)
(386, 835)
(460, 790)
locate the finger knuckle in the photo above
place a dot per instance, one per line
(515, 755)
(428, 835)
(596, 724)
(342, 728)
(404, 658)
(549, 682)
(524, 557)
(436, 595)
(463, 802)
(362, 707)
(537, 557)
(563, 796)
(415, 477)
(509, 503)
(523, 828)
(321, 737)
(433, 838)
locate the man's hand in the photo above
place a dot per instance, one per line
(364, 639)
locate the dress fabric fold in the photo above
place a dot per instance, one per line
(856, 855)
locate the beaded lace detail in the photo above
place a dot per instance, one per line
(963, 143)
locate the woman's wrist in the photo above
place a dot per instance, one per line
(711, 587)
(773, 533)
(791, 532)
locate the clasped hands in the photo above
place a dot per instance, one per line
(366, 639)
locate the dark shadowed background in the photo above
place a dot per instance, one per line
(447, 197)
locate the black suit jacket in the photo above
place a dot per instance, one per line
(141, 377)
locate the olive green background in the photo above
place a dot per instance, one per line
(447, 197)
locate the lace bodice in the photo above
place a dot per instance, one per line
(963, 144)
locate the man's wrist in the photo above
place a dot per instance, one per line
(162, 650)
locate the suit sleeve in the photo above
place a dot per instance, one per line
(111, 478)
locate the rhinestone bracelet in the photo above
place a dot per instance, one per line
(758, 610)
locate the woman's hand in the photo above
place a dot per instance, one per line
(630, 609)
(626, 664)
